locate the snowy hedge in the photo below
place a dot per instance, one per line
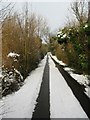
(11, 80)
(76, 44)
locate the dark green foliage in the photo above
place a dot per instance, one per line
(76, 43)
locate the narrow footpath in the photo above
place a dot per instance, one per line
(43, 106)
(48, 92)
(77, 89)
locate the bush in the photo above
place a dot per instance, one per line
(61, 55)
(11, 81)
(76, 43)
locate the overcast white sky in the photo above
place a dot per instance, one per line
(55, 12)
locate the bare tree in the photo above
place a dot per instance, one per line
(79, 10)
(5, 11)
(42, 28)
(89, 11)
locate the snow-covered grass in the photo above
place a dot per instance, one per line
(81, 79)
(55, 58)
(87, 91)
(63, 103)
(69, 70)
(21, 104)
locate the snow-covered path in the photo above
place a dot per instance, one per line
(22, 103)
(63, 103)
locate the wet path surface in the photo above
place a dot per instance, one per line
(42, 109)
(77, 89)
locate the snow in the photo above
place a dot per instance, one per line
(63, 103)
(12, 54)
(64, 36)
(18, 73)
(21, 104)
(70, 29)
(1, 75)
(86, 26)
(68, 69)
(87, 91)
(58, 61)
(1, 104)
(81, 79)
(59, 33)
